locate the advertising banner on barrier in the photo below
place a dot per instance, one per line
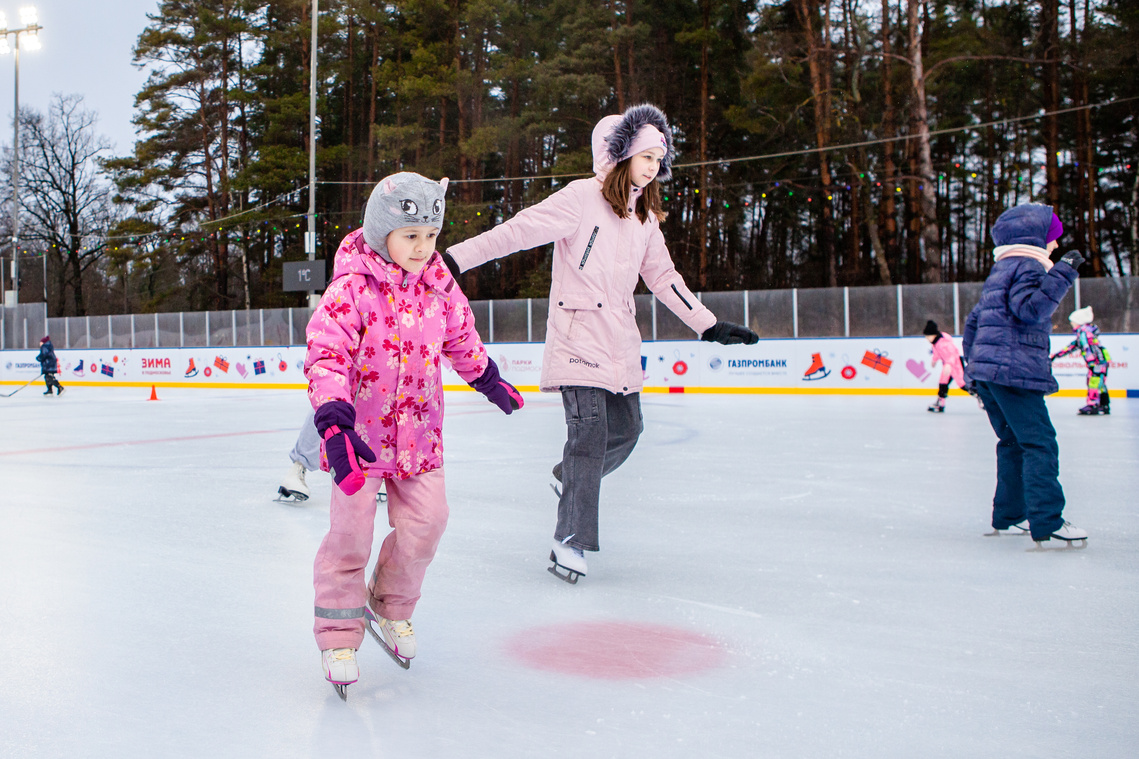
(806, 365)
(239, 366)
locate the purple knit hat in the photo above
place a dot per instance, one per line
(1055, 229)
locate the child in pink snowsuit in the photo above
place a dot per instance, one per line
(951, 369)
(391, 311)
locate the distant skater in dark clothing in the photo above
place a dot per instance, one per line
(49, 366)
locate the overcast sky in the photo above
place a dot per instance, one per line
(86, 50)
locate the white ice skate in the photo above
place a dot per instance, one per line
(1069, 536)
(1020, 528)
(340, 669)
(293, 488)
(569, 558)
(395, 635)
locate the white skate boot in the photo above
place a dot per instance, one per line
(1020, 528)
(395, 635)
(569, 558)
(340, 669)
(1069, 536)
(293, 488)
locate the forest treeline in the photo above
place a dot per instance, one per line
(820, 142)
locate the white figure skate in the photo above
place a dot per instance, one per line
(340, 669)
(569, 558)
(395, 635)
(293, 487)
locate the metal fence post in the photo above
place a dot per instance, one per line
(290, 326)
(233, 314)
(654, 318)
(132, 331)
(846, 312)
(87, 320)
(110, 333)
(1077, 294)
(899, 310)
(157, 341)
(66, 332)
(794, 312)
(490, 320)
(529, 320)
(261, 319)
(25, 333)
(747, 316)
(207, 329)
(181, 329)
(956, 309)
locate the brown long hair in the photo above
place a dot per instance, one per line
(615, 189)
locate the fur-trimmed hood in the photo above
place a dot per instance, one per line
(614, 136)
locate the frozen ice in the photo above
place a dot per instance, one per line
(155, 600)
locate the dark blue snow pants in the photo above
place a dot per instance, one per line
(1028, 459)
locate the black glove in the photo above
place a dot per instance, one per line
(1072, 258)
(452, 266)
(727, 333)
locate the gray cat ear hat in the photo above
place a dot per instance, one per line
(405, 199)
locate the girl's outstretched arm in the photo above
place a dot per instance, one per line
(661, 276)
(555, 217)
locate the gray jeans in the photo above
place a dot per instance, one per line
(602, 430)
(306, 452)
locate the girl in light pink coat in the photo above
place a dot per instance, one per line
(606, 235)
(951, 369)
(391, 311)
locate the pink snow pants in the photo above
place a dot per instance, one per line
(954, 370)
(417, 510)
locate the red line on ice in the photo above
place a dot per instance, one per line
(144, 442)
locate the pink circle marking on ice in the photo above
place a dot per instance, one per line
(615, 650)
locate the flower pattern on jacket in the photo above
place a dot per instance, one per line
(375, 341)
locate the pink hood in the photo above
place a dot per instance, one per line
(375, 341)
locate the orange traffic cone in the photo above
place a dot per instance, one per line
(153, 393)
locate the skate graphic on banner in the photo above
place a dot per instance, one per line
(817, 370)
(191, 370)
(78, 370)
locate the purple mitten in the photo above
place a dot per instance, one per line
(497, 390)
(335, 421)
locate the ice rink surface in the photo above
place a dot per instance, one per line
(780, 576)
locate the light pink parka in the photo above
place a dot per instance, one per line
(375, 342)
(946, 352)
(592, 337)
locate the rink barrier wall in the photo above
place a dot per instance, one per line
(824, 366)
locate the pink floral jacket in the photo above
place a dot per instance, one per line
(375, 341)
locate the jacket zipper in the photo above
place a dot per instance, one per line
(588, 248)
(682, 300)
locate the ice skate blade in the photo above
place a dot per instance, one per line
(1058, 544)
(402, 662)
(570, 576)
(1003, 533)
(341, 690)
(289, 496)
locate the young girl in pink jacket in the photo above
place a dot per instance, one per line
(951, 369)
(606, 236)
(375, 340)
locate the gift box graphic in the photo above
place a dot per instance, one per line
(877, 361)
(221, 363)
(107, 370)
(258, 367)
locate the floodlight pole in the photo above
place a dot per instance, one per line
(16, 179)
(310, 235)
